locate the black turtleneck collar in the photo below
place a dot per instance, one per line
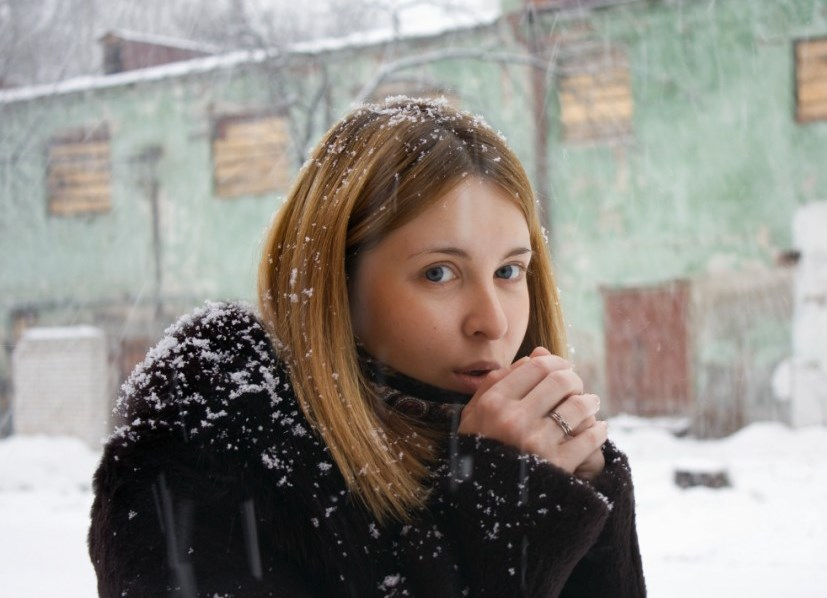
(413, 397)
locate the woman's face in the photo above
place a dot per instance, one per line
(444, 298)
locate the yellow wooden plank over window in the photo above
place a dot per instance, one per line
(811, 80)
(78, 172)
(595, 96)
(250, 155)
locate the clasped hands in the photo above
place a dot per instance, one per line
(513, 406)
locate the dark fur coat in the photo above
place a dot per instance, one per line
(217, 487)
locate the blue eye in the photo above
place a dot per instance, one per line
(439, 274)
(509, 272)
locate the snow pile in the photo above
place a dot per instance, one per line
(39, 464)
(45, 497)
(766, 535)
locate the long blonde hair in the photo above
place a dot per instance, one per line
(374, 171)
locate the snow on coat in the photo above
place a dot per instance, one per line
(217, 486)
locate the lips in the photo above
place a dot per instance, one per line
(471, 377)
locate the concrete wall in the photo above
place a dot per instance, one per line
(809, 362)
(62, 383)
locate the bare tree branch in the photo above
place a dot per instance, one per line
(486, 55)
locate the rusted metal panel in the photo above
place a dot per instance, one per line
(648, 349)
(123, 54)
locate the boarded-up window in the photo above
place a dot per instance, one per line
(595, 95)
(250, 155)
(811, 80)
(79, 172)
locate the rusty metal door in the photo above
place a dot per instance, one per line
(647, 349)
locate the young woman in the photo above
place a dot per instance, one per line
(399, 420)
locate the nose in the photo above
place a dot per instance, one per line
(485, 314)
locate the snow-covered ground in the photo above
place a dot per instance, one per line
(764, 536)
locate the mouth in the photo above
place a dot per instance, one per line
(471, 377)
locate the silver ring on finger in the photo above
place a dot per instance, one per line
(558, 419)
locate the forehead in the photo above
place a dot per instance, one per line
(474, 213)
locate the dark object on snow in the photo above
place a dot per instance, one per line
(686, 477)
(218, 486)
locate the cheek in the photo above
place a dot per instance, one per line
(379, 318)
(521, 313)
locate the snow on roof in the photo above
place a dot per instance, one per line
(159, 40)
(421, 24)
(61, 332)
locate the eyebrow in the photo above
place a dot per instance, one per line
(456, 251)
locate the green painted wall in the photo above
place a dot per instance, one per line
(709, 182)
(717, 164)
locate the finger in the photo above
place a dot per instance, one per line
(577, 409)
(521, 380)
(550, 392)
(578, 449)
(591, 466)
(496, 375)
(585, 424)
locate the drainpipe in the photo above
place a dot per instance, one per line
(148, 160)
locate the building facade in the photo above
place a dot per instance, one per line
(670, 144)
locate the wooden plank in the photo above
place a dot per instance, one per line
(274, 137)
(596, 79)
(250, 166)
(811, 48)
(250, 157)
(61, 150)
(79, 205)
(238, 188)
(241, 175)
(228, 183)
(614, 110)
(79, 178)
(221, 149)
(812, 111)
(572, 113)
(596, 132)
(262, 161)
(814, 92)
(807, 71)
(71, 193)
(269, 129)
(272, 176)
(601, 94)
(79, 163)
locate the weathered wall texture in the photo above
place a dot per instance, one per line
(705, 187)
(701, 184)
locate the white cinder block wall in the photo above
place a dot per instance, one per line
(809, 363)
(61, 383)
